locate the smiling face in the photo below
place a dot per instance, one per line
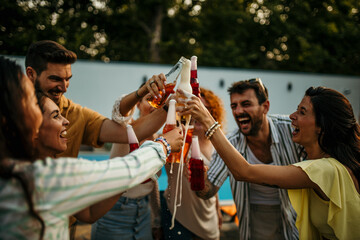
(303, 120)
(54, 81)
(248, 113)
(52, 136)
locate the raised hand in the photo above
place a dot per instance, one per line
(153, 86)
(192, 105)
(175, 139)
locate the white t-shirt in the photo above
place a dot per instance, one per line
(260, 194)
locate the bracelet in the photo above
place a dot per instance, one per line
(208, 135)
(137, 94)
(211, 128)
(166, 144)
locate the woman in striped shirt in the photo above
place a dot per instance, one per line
(38, 196)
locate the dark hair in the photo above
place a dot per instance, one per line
(41, 97)
(241, 86)
(340, 133)
(15, 136)
(42, 52)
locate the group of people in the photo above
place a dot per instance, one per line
(292, 177)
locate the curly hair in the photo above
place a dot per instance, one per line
(340, 133)
(216, 108)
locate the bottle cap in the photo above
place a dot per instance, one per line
(131, 134)
(194, 63)
(195, 148)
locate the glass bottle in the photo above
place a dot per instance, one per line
(196, 166)
(170, 125)
(194, 82)
(133, 143)
(171, 79)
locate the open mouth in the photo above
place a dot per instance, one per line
(63, 134)
(296, 129)
(55, 94)
(243, 120)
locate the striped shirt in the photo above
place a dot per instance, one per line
(64, 186)
(283, 151)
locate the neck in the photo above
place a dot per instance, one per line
(262, 136)
(43, 153)
(315, 152)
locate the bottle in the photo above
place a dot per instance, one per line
(196, 166)
(132, 139)
(194, 82)
(185, 77)
(133, 143)
(186, 87)
(170, 125)
(171, 79)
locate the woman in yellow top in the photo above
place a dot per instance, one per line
(325, 188)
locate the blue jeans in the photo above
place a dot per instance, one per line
(128, 219)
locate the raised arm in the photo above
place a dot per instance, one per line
(276, 176)
(143, 127)
(152, 86)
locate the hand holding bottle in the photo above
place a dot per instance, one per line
(175, 139)
(194, 107)
(155, 85)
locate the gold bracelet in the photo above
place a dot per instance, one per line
(211, 128)
(213, 131)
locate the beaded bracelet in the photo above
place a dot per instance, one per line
(208, 135)
(165, 143)
(211, 128)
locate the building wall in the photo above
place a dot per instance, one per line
(97, 85)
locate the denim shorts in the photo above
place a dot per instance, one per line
(128, 219)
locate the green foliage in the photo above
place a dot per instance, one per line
(296, 35)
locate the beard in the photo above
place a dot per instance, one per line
(256, 122)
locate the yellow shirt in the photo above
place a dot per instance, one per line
(338, 218)
(84, 127)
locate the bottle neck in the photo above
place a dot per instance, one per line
(193, 73)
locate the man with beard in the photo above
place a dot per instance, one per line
(48, 66)
(264, 212)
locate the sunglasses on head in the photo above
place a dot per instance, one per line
(257, 80)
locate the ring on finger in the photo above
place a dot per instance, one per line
(152, 82)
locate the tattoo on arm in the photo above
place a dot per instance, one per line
(209, 190)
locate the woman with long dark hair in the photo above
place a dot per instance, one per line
(38, 196)
(324, 190)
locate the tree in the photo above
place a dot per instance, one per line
(312, 36)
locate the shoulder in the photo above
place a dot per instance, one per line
(280, 120)
(324, 166)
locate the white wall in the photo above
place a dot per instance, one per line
(96, 84)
